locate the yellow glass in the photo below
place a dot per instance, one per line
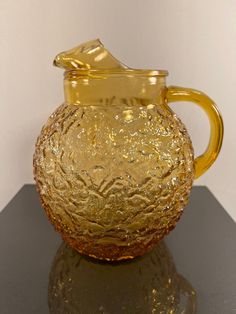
(203, 162)
(114, 165)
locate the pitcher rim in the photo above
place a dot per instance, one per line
(70, 74)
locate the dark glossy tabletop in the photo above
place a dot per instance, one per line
(193, 270)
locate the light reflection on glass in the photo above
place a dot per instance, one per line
(101, 56)
(152, 80)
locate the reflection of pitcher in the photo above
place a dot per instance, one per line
(149, 284)
(114, 165)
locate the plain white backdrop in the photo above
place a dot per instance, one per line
(194, 40)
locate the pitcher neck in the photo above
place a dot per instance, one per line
(105, 87)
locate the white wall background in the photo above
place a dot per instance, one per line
(194, 40)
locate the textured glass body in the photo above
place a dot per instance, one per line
(114, 165)
(114, 180)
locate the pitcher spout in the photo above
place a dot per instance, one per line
(88, 56)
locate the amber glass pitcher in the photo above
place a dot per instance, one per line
(114, 165)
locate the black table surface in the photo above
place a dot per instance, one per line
(192, 271)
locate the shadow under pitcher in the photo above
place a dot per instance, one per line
(114, 165)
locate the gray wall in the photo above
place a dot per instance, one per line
(194, 40)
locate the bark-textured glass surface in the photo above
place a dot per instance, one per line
(113, 164)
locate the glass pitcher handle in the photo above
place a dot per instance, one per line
(204, 161)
